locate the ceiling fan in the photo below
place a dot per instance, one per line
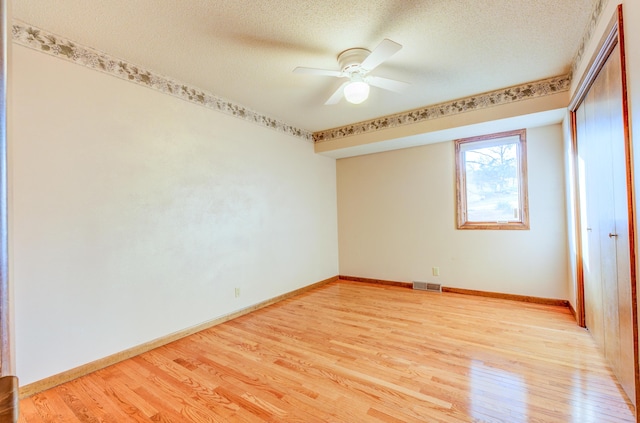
(355, 64)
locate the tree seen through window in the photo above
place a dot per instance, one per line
(491, 180)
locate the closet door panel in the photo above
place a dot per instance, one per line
(601, 119)
(587, 159)
(621, 222)
(604, 203)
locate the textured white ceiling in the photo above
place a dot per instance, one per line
(245, 50)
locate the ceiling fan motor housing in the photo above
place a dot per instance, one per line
(350, 60)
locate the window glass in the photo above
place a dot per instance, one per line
(491, 181)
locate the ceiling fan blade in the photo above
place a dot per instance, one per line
(314, 71)
(337, 95)
(388, 84)
(385, 49)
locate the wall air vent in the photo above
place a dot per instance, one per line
(426, 286)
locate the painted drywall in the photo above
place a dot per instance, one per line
(631, 15)
(396, 221)
(533, 109)
(135, 214)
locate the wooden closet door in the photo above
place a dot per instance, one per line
(601, 104)
(605, 232)
(588, 176)
(620, 227)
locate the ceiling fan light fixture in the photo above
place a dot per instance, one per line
(356, 92)
(356, 64)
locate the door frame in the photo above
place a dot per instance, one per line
(614, 35)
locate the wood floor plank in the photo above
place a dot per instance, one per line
(357, 352)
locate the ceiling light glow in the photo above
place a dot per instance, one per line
(356, 92)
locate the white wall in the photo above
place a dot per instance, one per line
(136, 214)
(631, 16)
(396, 220)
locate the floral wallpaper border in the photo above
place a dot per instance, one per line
(41, 40)
(482, 101)
(598, 8)
(508, 95)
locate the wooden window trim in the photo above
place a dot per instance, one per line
(462, 222)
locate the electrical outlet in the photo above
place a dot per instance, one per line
(435, 271)
(237, 292)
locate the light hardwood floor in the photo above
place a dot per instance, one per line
(357, 352)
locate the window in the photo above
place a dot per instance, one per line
(491, 180)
